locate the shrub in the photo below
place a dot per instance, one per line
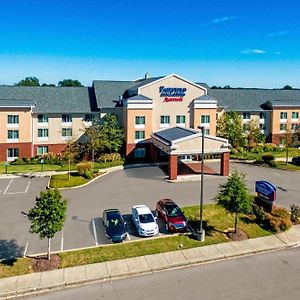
(295, 214)
(84, 166)
(268, 157)
(51, 158)
(88, 174)
(108, 157)
(234, 151)
(296, 160)
(279, 219)
(257, 149)
(259, 213)
(270, 147)
(25, 160)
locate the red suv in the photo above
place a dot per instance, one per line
(169, 212)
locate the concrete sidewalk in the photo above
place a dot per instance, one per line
(40, 282)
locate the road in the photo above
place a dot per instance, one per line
(120, 189)
(266, 276)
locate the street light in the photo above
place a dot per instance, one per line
(201, 233)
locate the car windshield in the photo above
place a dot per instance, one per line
(146, 218)
(173, 211)
(114, 222)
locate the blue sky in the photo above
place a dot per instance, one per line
(240, 43)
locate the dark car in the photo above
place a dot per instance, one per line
(115, 227)
(169, 212)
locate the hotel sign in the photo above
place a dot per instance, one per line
(265, 190)
(172, 94)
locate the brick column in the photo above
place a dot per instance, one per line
(173, 167)
(225, 164)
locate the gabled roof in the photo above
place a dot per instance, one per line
(16, 103)
(250, 99)
(282, 103)
(49, 99)
(206, 98)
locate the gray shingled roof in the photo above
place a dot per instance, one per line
(109, 92)
(203, 84)
(285, 103)
(16, 103)
(206, 97)
(251, 99)
(49, 99)
(174, 133)
(138, 97)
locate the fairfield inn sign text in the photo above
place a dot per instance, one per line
(172, 94)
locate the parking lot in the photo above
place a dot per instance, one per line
(120, 189)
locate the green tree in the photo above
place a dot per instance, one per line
(29, 81)
(112, 133)
(287, 87)
(48, 215)
(94, 142)
(234, 196)
(69, 82)
(287, 139)
(253, 134)
(229, 126)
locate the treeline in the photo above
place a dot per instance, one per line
(34, 81)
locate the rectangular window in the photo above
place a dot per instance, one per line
(205, 119)
(67, 132)
(283, 115)
(206, 131)
(139, 152)
(295, 115)
(42, 150)
(140, 135)
(43, 133)
(139, 120)
(13, 134)
(13, 119)
(164, 119)
(66, 118)
(12, 153)
(42, 118)
(262, 127)
(246, 116)
(180, 119)
(295, 127)
(262, 115)
(283, 127)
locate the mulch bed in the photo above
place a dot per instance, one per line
(239, 235)
(41, 263)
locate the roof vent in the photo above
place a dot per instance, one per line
(147, 75)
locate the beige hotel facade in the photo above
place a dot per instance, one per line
(37, 120)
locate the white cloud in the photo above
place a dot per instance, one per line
(278, 33)
(253, 51)
(221, 20)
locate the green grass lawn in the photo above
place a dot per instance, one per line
(216, 221)
(63, 181)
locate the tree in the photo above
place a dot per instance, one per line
(229, 126)
(48, 84)
(94, 142)
(287, 87)
(48, 215)
(254, 135)
(69, 82)
(112, 133)
(234, 196)
(287, 140)
(29, 81)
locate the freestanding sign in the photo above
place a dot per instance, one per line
(266, 190)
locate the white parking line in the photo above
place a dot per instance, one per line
(8, 186)
(62, 240)
(26, 248)
(13, 193)
(95, 232)
(128, 237)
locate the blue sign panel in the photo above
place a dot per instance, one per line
(171, 92)
(265, 190)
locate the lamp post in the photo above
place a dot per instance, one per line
(201, 233)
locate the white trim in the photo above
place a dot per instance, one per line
(164, 125)
(138, 104)
(13, 125)
(12, 140)
(139, 140)
(66, 124)
(42, 138)
(173, 75)
(181, 125)
(205, 104)
(42, 124)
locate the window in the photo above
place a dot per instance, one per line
(13, 134)
(13, 119)
(12, 153)
(43, 133)
(66, 118)
(295, 127)
(246, 116)
(205, 119)
(283, 115)
(42, 150)
(262, 127)
(295, 115)
(283, 127)
(165, 120)
(180, 119)
(206, 131)
(42, 119)
(262, 115)
(67, 132)
(140, 135)
(140, 120)
(140, 152)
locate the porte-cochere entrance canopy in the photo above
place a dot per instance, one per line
(179, 141)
